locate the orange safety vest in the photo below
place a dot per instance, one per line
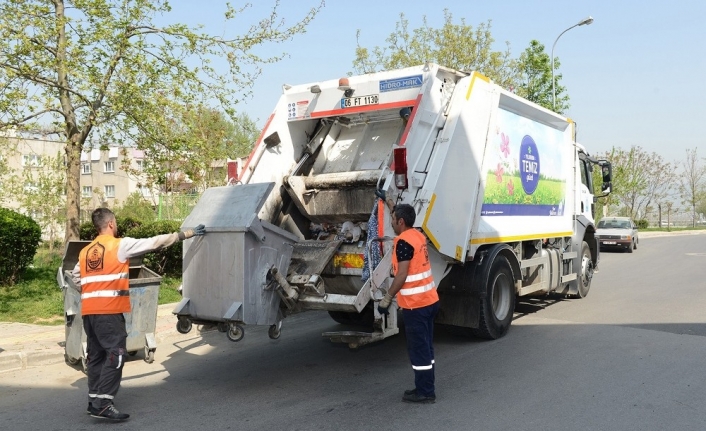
(105, 281)
(419, 289)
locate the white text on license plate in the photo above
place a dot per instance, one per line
(352, 102)
(609, 242)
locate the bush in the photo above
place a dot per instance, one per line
(642, 224)
(19, 238)
(88, 233)
(166, 261)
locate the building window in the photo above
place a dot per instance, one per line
(110, 191)
(145, 191)
(85, 168)
(31, 186)
(86, 192)
(138, 164)
(31, 160)
(109, 167)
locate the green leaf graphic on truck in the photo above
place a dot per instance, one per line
(527, 176)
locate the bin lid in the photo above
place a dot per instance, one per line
(73, 249)
(229, 208)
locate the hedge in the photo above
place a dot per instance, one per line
(19, 238)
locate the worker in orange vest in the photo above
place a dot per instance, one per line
(102, 271)
(417, 297)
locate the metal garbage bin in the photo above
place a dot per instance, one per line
(227, 271)
(140, 323)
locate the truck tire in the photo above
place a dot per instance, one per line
(497, 307)
(586, 274)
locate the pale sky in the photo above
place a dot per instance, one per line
(635, 76)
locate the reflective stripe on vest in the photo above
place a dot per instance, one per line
(105, 283)
(105, 294)
(419, 289)
(106, 277)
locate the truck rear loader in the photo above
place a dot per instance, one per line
(501, 189)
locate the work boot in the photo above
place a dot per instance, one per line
(109, 412)
(89, 409)
(410, 391)
(415, 397)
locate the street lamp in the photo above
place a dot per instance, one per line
(586, 21)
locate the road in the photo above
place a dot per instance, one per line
(630, 356)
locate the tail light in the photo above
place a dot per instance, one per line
(400, 155)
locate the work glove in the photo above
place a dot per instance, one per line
(380, 193)
(384, 304)
(198, 230)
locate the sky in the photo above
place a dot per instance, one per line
(635, 75)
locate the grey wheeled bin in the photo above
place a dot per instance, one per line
(226, 273)
(140, 323)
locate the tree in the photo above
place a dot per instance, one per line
(639, 179)
(457, 46)
(692, 182)
(39, 191)
(535, 78)
(84, 65)
(194, 139)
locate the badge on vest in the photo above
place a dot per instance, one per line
(94, 258)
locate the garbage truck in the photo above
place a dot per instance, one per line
(502, 190)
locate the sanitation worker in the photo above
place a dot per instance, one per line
(416, 296)
(103, 273)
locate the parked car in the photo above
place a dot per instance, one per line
(617, 233)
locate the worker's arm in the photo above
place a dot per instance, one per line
(400, 277)
(76, 275)
(130, 247)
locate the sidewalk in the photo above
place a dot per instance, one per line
(23, 345)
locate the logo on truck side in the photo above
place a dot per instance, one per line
(401, 83)
(529, 165)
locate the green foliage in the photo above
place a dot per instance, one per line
(118, 66)
(692, 183)
(642, 224)
(165, 261)
(535, 82)
(88, 233)
(19, 238)
(457, 46)
(640, 179)
(509, 191)
(136, 209)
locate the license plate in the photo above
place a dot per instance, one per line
(609, 242)
(352, 102)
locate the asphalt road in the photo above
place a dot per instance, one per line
(630, 356)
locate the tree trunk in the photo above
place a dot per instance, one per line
(73, 190)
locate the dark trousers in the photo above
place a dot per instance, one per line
(106, 337)
(419, 328)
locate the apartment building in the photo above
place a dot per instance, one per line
(105, 179)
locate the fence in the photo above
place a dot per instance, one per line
(176, 207)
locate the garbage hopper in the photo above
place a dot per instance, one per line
(227, 272)
(140, 323)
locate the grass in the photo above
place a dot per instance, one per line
(37, 298)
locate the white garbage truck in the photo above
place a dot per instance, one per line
(501, 189)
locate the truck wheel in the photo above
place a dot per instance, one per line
(630, 247)
(586, 274)
(499, 303)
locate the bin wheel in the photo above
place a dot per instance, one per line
(222, 327)
(235, 332)
(132, 352)
(84, 365)
(183, 325)
(149, 355)
(275, 331)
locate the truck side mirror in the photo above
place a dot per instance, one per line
(607, 173)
